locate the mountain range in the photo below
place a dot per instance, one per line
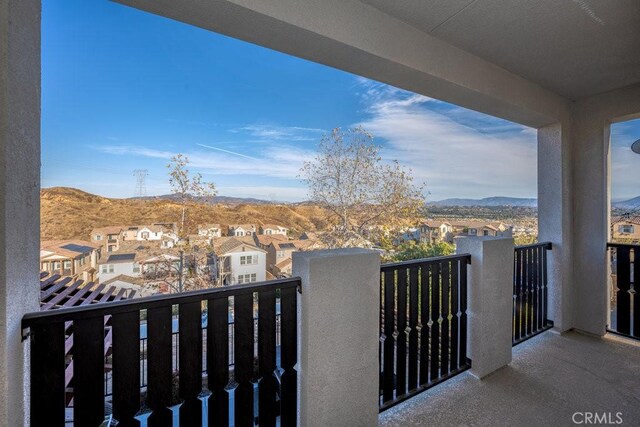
(487, 201)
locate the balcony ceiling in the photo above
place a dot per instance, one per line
(576, 48)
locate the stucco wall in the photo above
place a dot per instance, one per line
(19, 196)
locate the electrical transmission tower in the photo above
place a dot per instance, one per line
(141, 184)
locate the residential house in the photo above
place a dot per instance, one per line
(109, 237)
(150, 261)
(270, 229)
(279, 254)
(432, 231)
(264, 240)
(153, 232)
(240, 230)
(118, 264)
(210, 230)
(479, 228)
(626, 228)
(239, 261)
(75, 258)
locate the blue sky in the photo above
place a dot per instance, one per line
(125, 90)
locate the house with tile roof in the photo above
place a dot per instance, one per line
(273, 229)
(240, 230)
(239, 261)
(74, 258)
(108, 237)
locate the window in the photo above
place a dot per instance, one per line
(104, 268)
(98, 236)
(626, 229)
(485, 232)
(473, 232)
(110, 268)
(57, 265)
(136, 268)
(145, 234)
(247, 278)
(248, 260)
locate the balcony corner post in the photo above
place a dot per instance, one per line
(489, 302)
(19, 198)
(338, 336)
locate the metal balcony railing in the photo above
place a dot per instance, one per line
(625, 303)
(160, 385)
(530, 291)
(423, 325)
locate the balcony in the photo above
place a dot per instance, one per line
(231, 354)
(551, 378)
(573, 82)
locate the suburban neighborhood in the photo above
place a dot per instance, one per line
(153, 258)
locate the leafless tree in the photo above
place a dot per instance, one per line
(188, 187)
(365, 194)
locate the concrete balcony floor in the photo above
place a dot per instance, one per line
(551, 377)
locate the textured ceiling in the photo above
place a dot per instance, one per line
(576, 48)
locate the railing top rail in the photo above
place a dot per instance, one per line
(622, 245)
(546, 245)
(124, 306)
(421, 261)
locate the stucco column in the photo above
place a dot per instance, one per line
(555, 220)
(19, 196)
(339, 337)
(489, 301)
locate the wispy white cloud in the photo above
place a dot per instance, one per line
(454, 156)
(275, 161)
(270, 132)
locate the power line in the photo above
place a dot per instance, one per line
(141, 182)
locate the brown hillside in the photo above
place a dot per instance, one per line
(69, 213)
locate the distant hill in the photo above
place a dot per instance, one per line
(627, 204)
(69, 213)
(488, 201)
(228, 200)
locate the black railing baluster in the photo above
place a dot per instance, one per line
(444, 334)
(159, 360)
(518, 292)
(534, 288)
(462, 358)
(545, 290)
(190, 362)
(243, 357)
(453, 363)
(218, 360)
(389, 342)
(126, 367)
(412, 381)
(48, 399)
(401, 340)
(424, 320)
(636, 295)
(435, 319)
(267, 357)
(88, 370)
(289, 356)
